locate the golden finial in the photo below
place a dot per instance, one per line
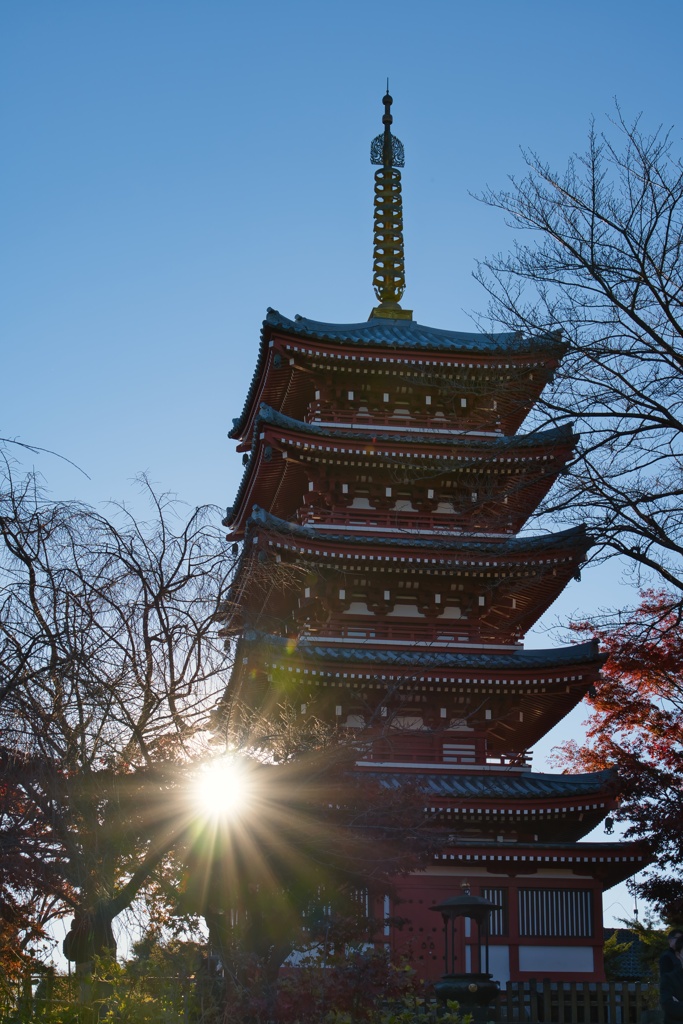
(388, 266)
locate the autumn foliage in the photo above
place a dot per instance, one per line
(636, 725)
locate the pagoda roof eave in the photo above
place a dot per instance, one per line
(563, 434)
(586, 653)
(508, 786)
(612, 862)
(381, 332)
(549, 683)
(575, 538)
(396, 335)
(471, 447)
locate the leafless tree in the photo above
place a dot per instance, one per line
(605, 265)
(110, 664)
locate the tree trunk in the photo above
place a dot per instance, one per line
(91, 938)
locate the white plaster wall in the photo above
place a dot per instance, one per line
(556, 959)
(499, 963)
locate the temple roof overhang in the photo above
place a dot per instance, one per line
(448, 550)
(559, 807)
(408, 334)
(525, 693)
(515, 789)
(282, 444)
(392, 341)
(512, 664)
(531, 569)
(468, 443)
(611, 863)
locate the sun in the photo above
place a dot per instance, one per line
(222, 788)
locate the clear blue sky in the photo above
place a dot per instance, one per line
(173, 168)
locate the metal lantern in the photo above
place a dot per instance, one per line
(470, 989)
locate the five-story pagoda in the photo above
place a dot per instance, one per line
(384, 583)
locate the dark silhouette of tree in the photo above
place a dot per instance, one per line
(636, 724)
(110, 663)
(305, 866)
(604, 264)
(112, 704)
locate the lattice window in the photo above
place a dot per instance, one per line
(498, 919)
(561, 913)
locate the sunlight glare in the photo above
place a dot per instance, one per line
(223, 788)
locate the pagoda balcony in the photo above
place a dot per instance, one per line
(410, 631)
(467, 421)
(392, 521)
(451, 749)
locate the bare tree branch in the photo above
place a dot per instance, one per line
(606, 266)
(110, 666)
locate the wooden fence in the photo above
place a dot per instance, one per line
(182, 1001)
(550, 1002)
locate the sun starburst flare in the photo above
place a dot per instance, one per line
(222, 788)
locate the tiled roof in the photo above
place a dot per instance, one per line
(542, 437)
(576, 535)
(382, 333)
(494, 786)
(631, 965)
(479, 446)
(520, 660)
(393, 334)
(487, 446)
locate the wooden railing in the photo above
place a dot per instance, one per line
(465, 419)
(402, 523)
(366, 629)
(567, 1002)
(409, 747)
(453, 748)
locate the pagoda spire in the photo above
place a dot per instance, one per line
(388, 265)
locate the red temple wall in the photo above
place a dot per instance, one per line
(565, 908)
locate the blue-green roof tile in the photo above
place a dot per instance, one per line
(408, 334)
(512, 786)
(534, 439)
(397, 335)
(575, 535)
(488, 446)
(586, 653)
